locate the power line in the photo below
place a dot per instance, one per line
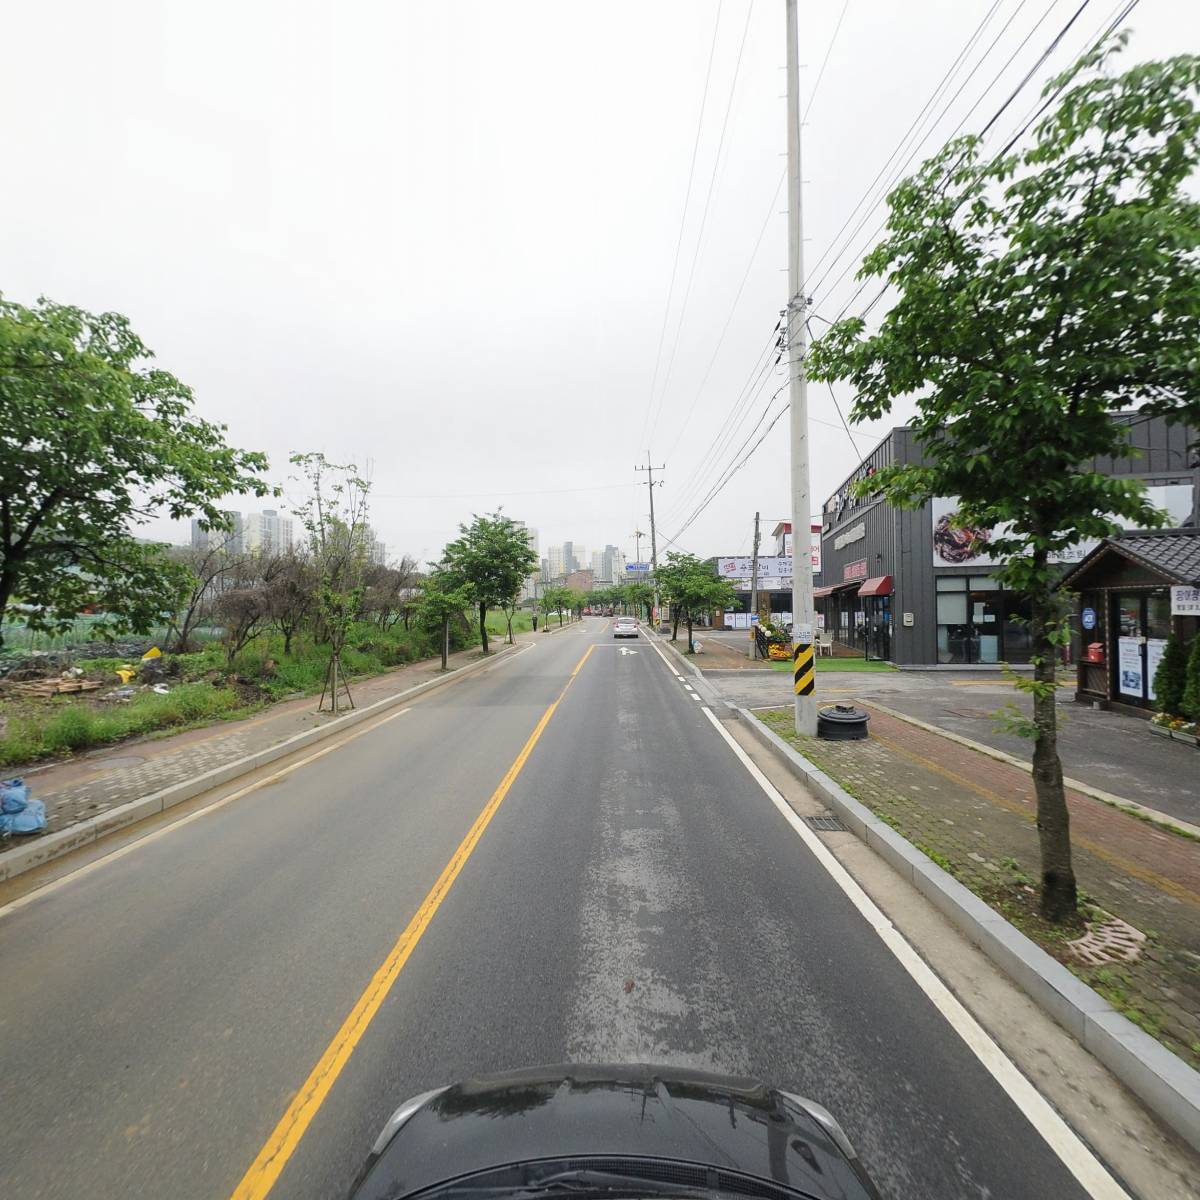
(825, 61)
(687, 196)
(729, 429)
(600, 487)
(916, 146)
(1096, 39)
(951, 71)
(732, 309)
(687, 293)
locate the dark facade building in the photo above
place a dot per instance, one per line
(907, 586)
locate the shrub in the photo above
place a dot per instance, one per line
(1190, 704)
(1171, 677)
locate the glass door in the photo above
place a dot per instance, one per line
(1142, 621)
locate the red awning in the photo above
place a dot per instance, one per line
(881, 585)
(818, 593)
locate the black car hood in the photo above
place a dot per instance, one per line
(738, 1125)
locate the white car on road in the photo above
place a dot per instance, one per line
(625, 627)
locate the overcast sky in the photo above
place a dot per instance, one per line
(438, 237)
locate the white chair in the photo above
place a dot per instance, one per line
(825, 642)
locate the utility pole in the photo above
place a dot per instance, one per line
(803, 664)
(638, 535)
(653, 532)
(754, 590)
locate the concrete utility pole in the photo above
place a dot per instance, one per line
(653, 531)
(754, 590)
(803, 663)
(638, 535)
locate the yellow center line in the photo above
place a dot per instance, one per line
(286, 1136)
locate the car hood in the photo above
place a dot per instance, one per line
(624, 1112)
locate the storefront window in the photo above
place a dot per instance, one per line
(1158, 615)
(978, 622)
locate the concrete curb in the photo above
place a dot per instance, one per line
(46, 849)
(1166, 1084)
(1130, 806)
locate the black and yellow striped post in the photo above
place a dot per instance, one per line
(804, 670)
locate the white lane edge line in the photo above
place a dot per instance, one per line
(1037, 1110)
(53, 885)
(666, 660)
(696, 696)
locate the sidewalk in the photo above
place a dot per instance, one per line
(974, 816)
(103, 779)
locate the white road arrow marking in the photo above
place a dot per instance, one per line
(626, 650)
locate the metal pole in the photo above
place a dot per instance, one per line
(803, 663)
(754, 591)
(653, 531)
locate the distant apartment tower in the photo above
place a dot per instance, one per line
(232, 539)
(531, 537)
(268, 531)
(606, 564)
(557, 561)
(574, 557)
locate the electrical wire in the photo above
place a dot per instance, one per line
(825, 61)
(732, 309)
(951, 71)
(813, 288)
(1118, 15)
(687, 292)
(687, 196)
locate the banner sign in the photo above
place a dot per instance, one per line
(956, 547)
(854, 570)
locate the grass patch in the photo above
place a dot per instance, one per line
(67, 727)
(204, 687)
(826, 663)
(497, 622)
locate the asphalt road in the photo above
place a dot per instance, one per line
(635, 897)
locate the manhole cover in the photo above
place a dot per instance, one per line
(826, 824)
(120, 762)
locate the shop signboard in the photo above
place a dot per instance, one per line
(854, 570)
(1154, 653)
(955, 547)
(1129, 667)
(1185, 601)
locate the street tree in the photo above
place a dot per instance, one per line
(639, 597)
(442, 601)
(693, 588)
(95, 442)
(492, 558)
(292, 593)
(333, 511)
(1036, 294)
(208, 567)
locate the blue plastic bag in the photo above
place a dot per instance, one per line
(14, 795)
(31, 819)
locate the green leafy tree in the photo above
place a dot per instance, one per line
(1190, 701)
(442, 602)
(492, 558)
(1037, 293)
(693, 588)
(333, 512)
(94, 442)
(556, 599)
(1170, 679)
(639, 597)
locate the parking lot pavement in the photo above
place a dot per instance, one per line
(1106, 750)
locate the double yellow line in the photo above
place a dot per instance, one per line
(284, 1139)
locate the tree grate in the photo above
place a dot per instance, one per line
(826, 824)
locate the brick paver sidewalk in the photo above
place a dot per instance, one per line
(975, 816)
(105, 778)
